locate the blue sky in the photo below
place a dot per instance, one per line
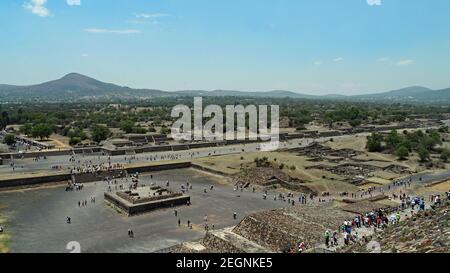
(307, 46)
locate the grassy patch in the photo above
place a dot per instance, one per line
(5, 238)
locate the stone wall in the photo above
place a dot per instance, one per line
(156, 168)
(88, 177)
(208, 170)
(132, 210)
(28, 181)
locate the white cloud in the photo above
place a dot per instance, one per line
(374, 2)
(84, 55)
(318, 63)
(143, 22)
(339, 59)
(37, 7)
(112, 31)
(405, 62)
(383, 60)
(74, 2)
(151, 15)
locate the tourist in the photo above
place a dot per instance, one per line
(179, 222)
(1, 229)
(301, 247)
(327, 238)
(68, 220)
(346, 238)
(234, 215)
(335, 238)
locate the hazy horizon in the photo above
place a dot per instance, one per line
(311, 47)
(211, 90)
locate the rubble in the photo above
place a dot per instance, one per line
(318, 151)
(280, 230)
(270, 177)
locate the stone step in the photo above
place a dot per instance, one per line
(226, 241)
(194, 247)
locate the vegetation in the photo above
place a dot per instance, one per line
(100, 133)
(41, 131)
(77, 120)
(9, 139)
(262, 162)
(445, 155)
(423, 143)
(402, 152)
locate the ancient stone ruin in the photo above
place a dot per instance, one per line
(145, 199)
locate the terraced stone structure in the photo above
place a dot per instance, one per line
(426, 232)
(280, 230)
(145, 199)
(272, 231)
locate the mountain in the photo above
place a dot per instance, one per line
(234, 93)
(408, 94)
(77, 87)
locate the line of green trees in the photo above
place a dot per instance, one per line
(403, 144)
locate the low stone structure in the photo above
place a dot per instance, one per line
(318, 151)
(145, 199)
(280, 230)
(271, 177)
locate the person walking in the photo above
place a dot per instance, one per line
(327, 238)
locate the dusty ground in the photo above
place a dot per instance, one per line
(356, 143)
(318, 180)
(440, 188)
(4, 236)
(231, 164)
(59, 141)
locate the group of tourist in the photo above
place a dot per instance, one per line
(84, 203)
(377, 219)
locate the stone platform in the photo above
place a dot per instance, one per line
(145, 199)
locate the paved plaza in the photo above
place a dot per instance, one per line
(37, 217)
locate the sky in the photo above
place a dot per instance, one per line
(306, 46)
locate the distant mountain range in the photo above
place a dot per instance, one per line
(77, 87)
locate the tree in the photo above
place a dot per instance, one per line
(164, 130)
(9, 139)
(445, 155)
(127, 126)
(26, 129)
(4, 120)
(74, 141)
(393, 139)
(402, 152)
(424, 154)
(42, 131)
(355, 122)
(100, 133)
(374, 143)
